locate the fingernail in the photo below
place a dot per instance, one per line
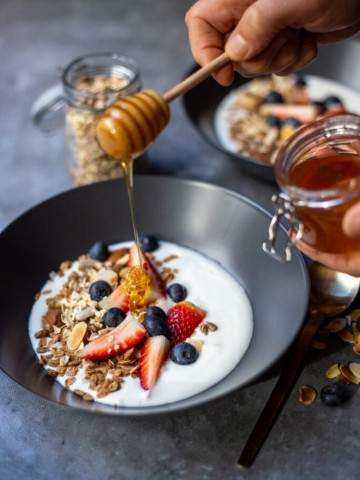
(237, 48)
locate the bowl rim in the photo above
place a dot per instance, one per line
(176, 406)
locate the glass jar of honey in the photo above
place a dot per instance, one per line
(318, 172)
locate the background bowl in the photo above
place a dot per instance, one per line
(214, 221)
(337, 62)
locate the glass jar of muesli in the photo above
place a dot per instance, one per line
(90, 84)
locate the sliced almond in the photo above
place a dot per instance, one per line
(108, 276)
(76, 336)
(307, 395)
(212, 326)
(354, 368)
(336, 325)
(347, 374)
(346, 336)
(333, 371)
(198, 344)
(318, 345)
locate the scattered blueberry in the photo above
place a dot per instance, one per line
(177, 292)
(332, 101)
(273, 97)
(155, 326)
(292, 122)
(99, 251)
(300, 81)
(184, 353)
(335, 394)
(273, 121)
(99, 290)
(320, 106)
(149, 243)
(113, 317)
(154, 311)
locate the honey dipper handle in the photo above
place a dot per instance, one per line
(196, 78)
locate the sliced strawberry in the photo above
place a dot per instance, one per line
(304, 113)
(128, 334)
(158, 288)
(118, 298)
(182, 319)
(154, 352)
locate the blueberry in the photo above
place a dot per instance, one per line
(335, 394)
(155, 326)
(320, 106)
(292, 122)
(273, 121)
(184, 354)
(332, 101)
(99, 251)
(177, 292)
(99, 290)
(300, 81)
(154, 311)
(149, 243)
(113, 317)
(273, 97)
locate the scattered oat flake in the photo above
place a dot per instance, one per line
(333, 371)
(318, 345)
(88, 397)
(346, 336)
(347, 375)
(354, 368)
(307, 395)
(76, 336)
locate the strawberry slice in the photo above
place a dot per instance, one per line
(158, 288)
(304, 113)
(128, 334)
(118, 298)
(154, 352)
(182, 319)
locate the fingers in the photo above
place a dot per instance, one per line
(338, 35)
(306, 54)
(347, 263)
(351, 222)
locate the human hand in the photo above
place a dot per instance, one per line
(267, 36)
(348, 262)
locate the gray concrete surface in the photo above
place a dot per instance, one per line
(41, 441)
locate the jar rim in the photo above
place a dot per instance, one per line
(324, 128)
(118, 58)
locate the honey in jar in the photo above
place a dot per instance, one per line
(318, 171)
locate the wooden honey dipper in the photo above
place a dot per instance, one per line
(132, 123)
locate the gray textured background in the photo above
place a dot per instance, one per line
(42, 441)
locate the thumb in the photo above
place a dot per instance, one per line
(259, 24)
(351, 222)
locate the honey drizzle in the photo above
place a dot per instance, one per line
(137, 281)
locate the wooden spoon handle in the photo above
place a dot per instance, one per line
(196, 78)
(294, 364)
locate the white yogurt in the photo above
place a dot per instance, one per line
(210, 287)
(317, 88)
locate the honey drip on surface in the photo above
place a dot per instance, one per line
(137, 281)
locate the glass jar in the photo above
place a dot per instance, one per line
(318, 172)
(90, 84)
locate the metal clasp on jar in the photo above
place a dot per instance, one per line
(284, 209)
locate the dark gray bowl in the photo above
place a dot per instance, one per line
(217, 222)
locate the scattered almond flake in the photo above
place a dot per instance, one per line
(76, 336)
(204, 328)
(198, 344)
(52, 373)
(307, 395)
(46, 292)
(212, 326)
(333, 371)
(79, 392)
(337, 325)
(347, 375)
(88, 397)
(354, 368)
(346, 336)
(37, 295)
(169, 258)
(318, 345)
